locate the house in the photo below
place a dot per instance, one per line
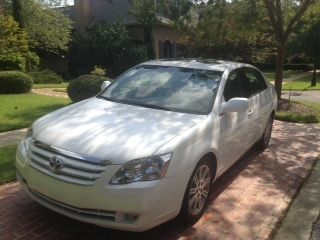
(89, 12)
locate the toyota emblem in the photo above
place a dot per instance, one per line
(56, 163)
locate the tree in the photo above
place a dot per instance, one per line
(283, 26)
(13, 45)
(146, 13)
(235, 30)
(305, 43)
(48, 28)
(17, 12)
(105, 45)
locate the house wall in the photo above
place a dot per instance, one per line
(162, 34)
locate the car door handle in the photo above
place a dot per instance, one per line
(250, 112)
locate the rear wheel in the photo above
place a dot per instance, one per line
(197, 193)
(264, 141)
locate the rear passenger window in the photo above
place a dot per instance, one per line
(256, 81)
(235, 86)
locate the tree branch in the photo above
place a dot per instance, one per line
(294, 20)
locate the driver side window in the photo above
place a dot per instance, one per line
(235, 86)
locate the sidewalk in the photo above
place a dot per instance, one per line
(302, 220)
(12, 137)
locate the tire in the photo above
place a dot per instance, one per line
(197, 193)
(263, 143)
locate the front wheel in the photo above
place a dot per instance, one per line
(197, 193)
(264, 141)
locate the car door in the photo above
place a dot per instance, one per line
(259, 111)
(234, 127)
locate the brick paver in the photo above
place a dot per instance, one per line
(247, 202)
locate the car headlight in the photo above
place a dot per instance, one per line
(143, 169)
(29, 136)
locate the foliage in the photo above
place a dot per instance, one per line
(13, 45)
(174, 9)
(145, 13)
(48, 28)
(98, 71)
(20, 110)
(45, 76)
(106, 45)
(33, 60)
(14, 82)
(235, 30)
(283, 17)
(85, 86)
(7, 158)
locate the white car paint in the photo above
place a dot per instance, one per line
(118, 133)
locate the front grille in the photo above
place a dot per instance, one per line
(80, 212)
(77, 169)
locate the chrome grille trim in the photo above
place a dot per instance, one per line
(82, 212)
(76, 171)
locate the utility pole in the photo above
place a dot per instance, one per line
(315, 63)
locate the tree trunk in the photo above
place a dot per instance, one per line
(315, 60)
(1, 7)
(279, 70)
(314, 76)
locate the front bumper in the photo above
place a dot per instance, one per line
(136, 207)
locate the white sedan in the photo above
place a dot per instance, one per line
(148, 147)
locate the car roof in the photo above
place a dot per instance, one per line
(209, 64)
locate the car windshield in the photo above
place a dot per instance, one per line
(169, 88)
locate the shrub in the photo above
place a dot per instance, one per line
(98, 71)
(12, 62)
(15, 82)
(85, 86)
(46, 76)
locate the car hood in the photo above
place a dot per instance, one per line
(111, 131)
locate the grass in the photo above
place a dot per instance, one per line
(302, 84)
(286, 74)
(7, 167)
(50, 85)
(20, 110)
(300, 112)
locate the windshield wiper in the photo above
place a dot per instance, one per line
(150, 106)
(147, 105)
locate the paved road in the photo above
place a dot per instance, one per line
(247, 202)
(310, 96)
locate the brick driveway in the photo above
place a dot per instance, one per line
(247, 202)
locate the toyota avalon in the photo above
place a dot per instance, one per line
(148, 147)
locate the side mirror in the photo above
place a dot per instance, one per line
(235, 105)
(105, 84)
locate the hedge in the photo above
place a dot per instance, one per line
(85, 86)
(45, 76)
(15, 82)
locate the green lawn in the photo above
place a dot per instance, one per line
(286, 74)
(302, 84)
(20, 110)
(7, 167)
(61, 85)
